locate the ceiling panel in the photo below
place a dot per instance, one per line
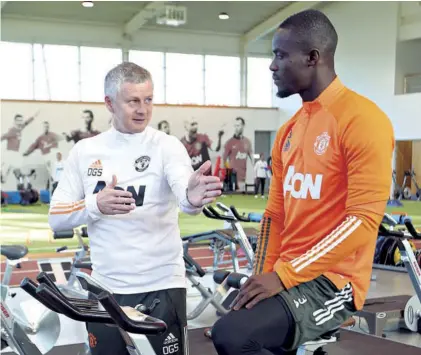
(201, 15)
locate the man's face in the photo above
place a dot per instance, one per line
(192, 127)
(18, 121)
(238, 128)
(132, 107)
(87, 118)
(58, 156)
(291, 71)
(165, 127)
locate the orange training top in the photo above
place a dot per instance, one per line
(332, 172)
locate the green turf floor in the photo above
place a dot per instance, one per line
(20, 224)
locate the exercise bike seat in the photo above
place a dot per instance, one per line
(14, 252)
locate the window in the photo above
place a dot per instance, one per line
(184, 80)
(222, 80)
(154, 63)
(56, 72)
(94, 66)
(259, 82)
(16, 71)
(41, 81)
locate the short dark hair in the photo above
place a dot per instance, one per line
(18, 116)
(46, 122)
(89, 112)
(315, 29)
(241, 119)
(161, 123)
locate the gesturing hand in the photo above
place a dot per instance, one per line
(203, 189)
(256, 289)
(111, 202)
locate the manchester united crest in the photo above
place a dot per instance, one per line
(142, 163)
(321, 143)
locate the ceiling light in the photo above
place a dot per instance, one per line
(223, 16)
(87, 3)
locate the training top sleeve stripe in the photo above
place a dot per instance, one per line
(70, 207)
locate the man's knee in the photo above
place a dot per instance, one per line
(228, 335)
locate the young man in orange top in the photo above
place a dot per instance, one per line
(332, 172)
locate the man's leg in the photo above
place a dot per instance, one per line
(105, 339)
(263, 181)
(256, 186)
(172, 309)
(262, 330)
(168, 305)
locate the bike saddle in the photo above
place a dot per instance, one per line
(14, 252)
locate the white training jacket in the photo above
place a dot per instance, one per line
(140, 251)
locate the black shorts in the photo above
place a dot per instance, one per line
(105, 339)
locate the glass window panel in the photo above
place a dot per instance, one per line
(16, 71)
(259, 82)
(57, 72)
(184, 79)
(222, 80)
(154, 63)
(41, 91)
(95, 63)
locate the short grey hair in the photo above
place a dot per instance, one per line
(125, 72)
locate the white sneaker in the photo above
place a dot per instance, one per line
(255, 196)
(263, 196)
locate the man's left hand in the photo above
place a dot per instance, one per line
(203, 189)
(257, 288)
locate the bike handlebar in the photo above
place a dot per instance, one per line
(238, 216)
(399, 234)
(411, 229)
(210, 212)
(222, 207)
(127, 319)
(142, 324)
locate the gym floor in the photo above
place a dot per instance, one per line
(32, 221)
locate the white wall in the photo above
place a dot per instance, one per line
(366, 62)
(37, 31)
(66, 117)
(408, 61)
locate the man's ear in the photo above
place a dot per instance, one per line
(313, 57)
(109, 104)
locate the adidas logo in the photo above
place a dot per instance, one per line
(170, 339)
(96, 165)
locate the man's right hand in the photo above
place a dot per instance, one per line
(112, 202)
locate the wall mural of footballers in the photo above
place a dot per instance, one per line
(237, 150)
(199, 145)
(210, 133)
(12, 157)
(164, 126)
(46, 142)
(89, 131)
